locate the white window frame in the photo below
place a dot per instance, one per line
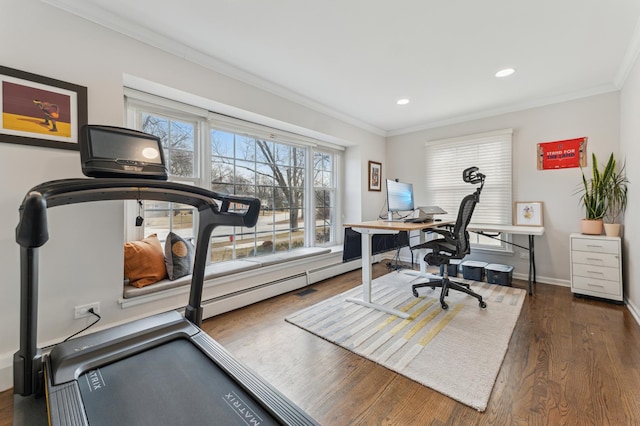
(207, 120)
(491, 152)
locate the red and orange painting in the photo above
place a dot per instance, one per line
(34, 110)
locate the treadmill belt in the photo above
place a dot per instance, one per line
(172, 384)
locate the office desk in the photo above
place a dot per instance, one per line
(368, 229)
(530, 231)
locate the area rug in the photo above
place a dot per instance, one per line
(457, 352)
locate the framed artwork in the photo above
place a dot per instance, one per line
(40, 111)
(375, 176)
(527, 213)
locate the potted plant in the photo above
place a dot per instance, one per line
(593, 196)
(616, 200)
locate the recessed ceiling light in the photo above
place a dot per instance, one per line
(505, 72)
(403, 101)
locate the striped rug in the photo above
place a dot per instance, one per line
(457, 352)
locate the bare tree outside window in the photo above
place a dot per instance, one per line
(178, 141)
(271, 171)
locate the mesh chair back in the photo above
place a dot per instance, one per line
(460, 233)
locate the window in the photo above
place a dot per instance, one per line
(491, 153)
(324, 189)
(294, 178)
(179, 139)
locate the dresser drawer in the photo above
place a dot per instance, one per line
(596, 285)
(595, 259)
(596, 272)
(594, 245)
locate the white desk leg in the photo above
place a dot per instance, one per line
(366, 267)
(366, 281)
(423, 265)
(421, 253)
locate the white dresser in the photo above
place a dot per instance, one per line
(596, 266)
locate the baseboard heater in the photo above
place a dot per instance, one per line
(247, 296)
(319, 274)
(238, 299)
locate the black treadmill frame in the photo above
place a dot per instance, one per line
(214, 209)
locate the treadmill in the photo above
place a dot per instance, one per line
(159, 370)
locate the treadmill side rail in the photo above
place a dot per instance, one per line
(270, 398)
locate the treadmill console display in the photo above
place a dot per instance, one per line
(107, 151)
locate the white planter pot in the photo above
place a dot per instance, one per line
(612, 229)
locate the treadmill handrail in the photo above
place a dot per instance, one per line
(32, 230)
(32, 233)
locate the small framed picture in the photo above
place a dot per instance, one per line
(527, 213)
(375, 176)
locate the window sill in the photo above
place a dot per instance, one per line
(229, 277)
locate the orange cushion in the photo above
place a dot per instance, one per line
(144, 261)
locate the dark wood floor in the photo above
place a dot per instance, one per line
(570, 362)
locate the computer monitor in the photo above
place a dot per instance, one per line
(399, 196)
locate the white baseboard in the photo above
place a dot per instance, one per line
(6, 372)
(635, 312)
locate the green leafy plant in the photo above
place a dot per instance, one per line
(594, 190)
(616, 193)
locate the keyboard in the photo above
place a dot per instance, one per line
(418, 220)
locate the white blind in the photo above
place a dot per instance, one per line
(491, 153)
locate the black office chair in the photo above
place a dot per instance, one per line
(454, 244)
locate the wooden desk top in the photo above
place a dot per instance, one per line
(396, 226)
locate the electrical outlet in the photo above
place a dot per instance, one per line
(524, 255)
(83, 311)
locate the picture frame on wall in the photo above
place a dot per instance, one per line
(375, 176)
(527, 213)
(40, 111)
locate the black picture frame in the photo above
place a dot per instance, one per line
(40, 111)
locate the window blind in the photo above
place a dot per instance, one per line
(491, 153)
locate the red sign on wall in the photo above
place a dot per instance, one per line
(562, 154)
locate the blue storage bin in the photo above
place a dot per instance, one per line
(473, 270)
(499, 274)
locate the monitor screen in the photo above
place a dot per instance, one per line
(399, 196)
(108, 151)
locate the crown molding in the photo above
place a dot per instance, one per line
(505, 110)
(115, 23)
(630, 58)
(123, 26)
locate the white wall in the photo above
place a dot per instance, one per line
(82, 263)
(630, 149)
(595, 117)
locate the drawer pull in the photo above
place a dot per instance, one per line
(594, 259)
(595, 272)
(594, 246)
(595, 285)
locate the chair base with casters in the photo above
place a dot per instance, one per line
(445, 283)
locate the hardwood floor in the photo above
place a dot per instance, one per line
(570, 362)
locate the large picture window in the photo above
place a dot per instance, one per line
(294, 179)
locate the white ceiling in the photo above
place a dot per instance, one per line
(356, 58)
